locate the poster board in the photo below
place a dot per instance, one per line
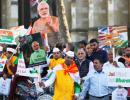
(5, 86)
(118, 76)
(113, 36)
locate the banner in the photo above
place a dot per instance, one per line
(5, 86)
(21, 67)
(118, 76)
(23, 71)
(7, 37)
(11, 36)
(113, 36)
(2, 64)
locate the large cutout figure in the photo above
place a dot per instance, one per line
(46, 23)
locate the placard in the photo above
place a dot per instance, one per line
(118, 76)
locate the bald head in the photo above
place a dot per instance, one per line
(35, 45)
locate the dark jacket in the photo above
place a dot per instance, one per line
(102, 54)
(83, 67)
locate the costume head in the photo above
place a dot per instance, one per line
(43, 9)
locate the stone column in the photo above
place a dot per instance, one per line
(97, 13)
(97, 16)
(118, 12)
(79, 16)
(6, 13)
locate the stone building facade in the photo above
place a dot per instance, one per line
(84, 16)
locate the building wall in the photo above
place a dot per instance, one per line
(9, 13)
(84, 16)
(88, 15)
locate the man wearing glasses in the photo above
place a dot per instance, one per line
(84, 65)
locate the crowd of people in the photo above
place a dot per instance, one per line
(75, 71)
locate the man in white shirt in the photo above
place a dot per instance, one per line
(112, 63)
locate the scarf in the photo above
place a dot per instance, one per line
(70, 69)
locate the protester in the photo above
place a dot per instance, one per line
(84, 65)
(89, 51)
(127, 56)
(96, 83)
(82, 44)
(57, 58)
(65, 75)
(10, 66)
(38, 55)
(111, 62)
(97, 52)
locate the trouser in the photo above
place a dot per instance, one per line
(99, 98)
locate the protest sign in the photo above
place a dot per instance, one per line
(21, 67)
(5, 86)
(7, 37)
(23, 71)
(33, 57)
(2, 64)
(33, 72)
(118, 76)
(113, 36)
(10, 36)
(119, 94)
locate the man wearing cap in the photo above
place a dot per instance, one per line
(56, 60)
(64, 77)
(38, 55)
(10, 66)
